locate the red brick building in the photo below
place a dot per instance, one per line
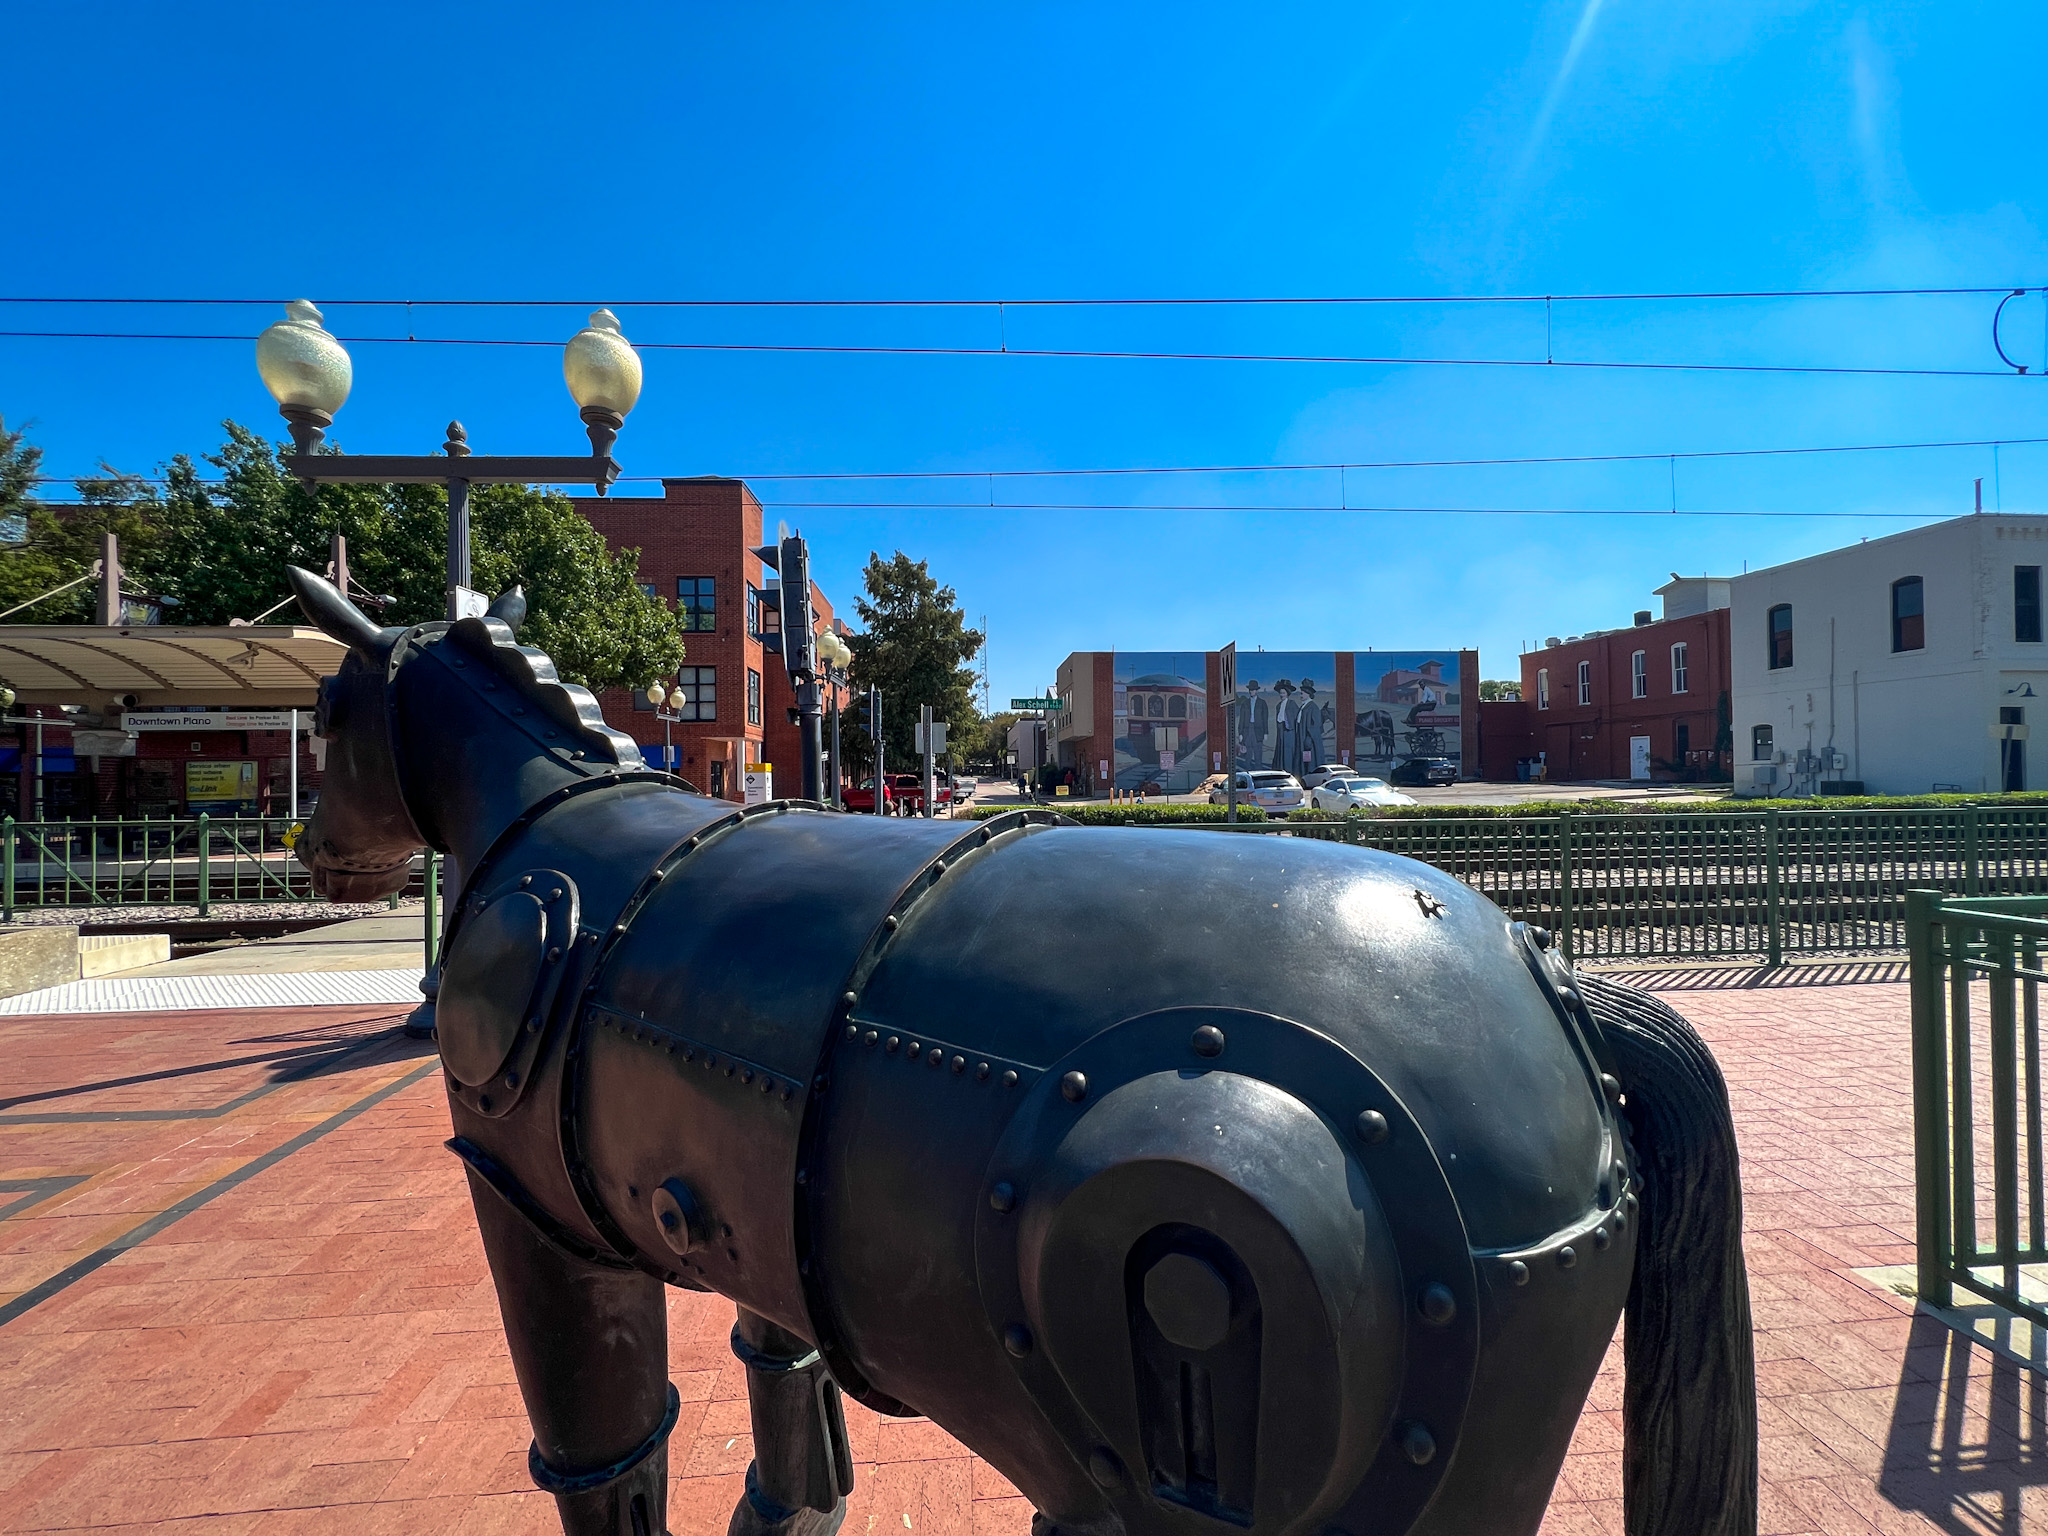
(1647, 702)
(696, 543)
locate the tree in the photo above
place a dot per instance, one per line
(916, 650)
(60, 548)
(1493, 690)
(222, 549)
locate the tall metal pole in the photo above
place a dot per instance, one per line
(924, 732)
(291, 812)
(838, 774)
(875, 730)
(457, 447)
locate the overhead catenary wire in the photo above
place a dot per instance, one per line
(1089, 353)
(1305, 467)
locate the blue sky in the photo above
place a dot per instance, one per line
(643, 152)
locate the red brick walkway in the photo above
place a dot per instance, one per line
(277, 1315)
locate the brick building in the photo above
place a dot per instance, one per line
(696, 543)
(1647, 702)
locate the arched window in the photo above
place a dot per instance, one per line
(1135, 705)
(1909, 623)
(1155, 706)
(1543, 687)
(1176, 708)
(1585, 682)
(1780, 619)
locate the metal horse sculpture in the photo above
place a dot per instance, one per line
(1202, 1184)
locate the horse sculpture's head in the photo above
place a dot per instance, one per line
(360, 841)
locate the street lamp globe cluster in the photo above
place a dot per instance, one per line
(308, 373)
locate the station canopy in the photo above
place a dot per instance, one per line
(254, 666)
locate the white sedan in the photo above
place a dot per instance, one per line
(1341, 794)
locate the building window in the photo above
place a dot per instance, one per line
(699, 688)
(1585, 682)
(1639, 675)
(1781, 636)
(753, 697)
(1760, 744)
(2026, 603)
(641, 703)
(1681, 742)
(753, 610)
(1678, 682)
(1909, 626)
(1176, 708)
(697, 596)
(1543, 687)
(1155, 706)
(646, 587)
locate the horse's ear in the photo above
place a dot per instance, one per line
(324, 604)
(509, 606)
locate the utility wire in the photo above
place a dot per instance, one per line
(1089, 353)
(1333, 466)
(1081, 303)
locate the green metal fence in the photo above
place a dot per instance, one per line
(187, 862)
(1976, 977)
(1766, 883)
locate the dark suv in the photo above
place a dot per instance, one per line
(1424, 770)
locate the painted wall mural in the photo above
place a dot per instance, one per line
(1409, 704)
(1162, 720)
(1286, 710)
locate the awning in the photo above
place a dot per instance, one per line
(276, 666)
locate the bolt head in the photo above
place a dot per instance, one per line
(1207, 1041)
(1074, 1087)
(1373, 1127)
(1518, 1272)
(1104, 1467)
(1611, 1086)
(1436, 1303)
(1567, 1257)
(1003, 1197)
(1418, 1444)
(1017, 1340)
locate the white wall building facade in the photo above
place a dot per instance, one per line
(1911, 663)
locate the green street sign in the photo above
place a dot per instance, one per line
(1048, 704)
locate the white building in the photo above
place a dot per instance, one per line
(1907, 664)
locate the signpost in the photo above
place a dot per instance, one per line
(1226, 684)
(931, 741)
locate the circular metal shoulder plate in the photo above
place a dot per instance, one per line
(1440, 1299)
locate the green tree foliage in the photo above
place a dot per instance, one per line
(916, 650)
(222, 549)
(62, 548)
(1493, 690)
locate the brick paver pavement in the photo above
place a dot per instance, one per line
(250, 1295)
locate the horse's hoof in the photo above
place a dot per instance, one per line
(750, 1518)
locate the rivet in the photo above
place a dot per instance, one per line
(533, 1026)
(1611, 1086)
(853, 1031)
(511, 1079)
(1207, 1041)
(1540, 937)
(959, 1063)
(689, 1053)
(1620, 1174)
(1631, 1202)
(786, 1092)
(1074, 1087)
(870, 1037)
(1418, 1444)
(725, 1231)
(889, 922)
(893, 1042)
(554, 954)
(1620, 1217)
(1518, 1271)
(916, 1050)
(767, 1084)
(1436, 1303)
(729, 1068)
(1104, 1467)
(803, 1177)
(482, 902)
(850, 998)
(938, 866)
(555, 894)
(818, 1083)
(1568, 997)
(525, 881)
(1017, 1340)
(733, 1254)
(483, 1101)
(1567, 1257)
(1003, 1198)
(1601, 1238)
(1010, 1079)
(981, 1071)
(934, 1056)
(1372, 1127)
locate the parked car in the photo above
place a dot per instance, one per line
(1424, 770)
(1315, 778)
(1349, 791)
(907, 791)
(1273, 792)
(862, 797)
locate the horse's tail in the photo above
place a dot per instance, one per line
(1689, 1447)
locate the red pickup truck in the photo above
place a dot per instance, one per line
(902, 795)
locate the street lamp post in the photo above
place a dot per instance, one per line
(309, 374)
(668, 709)
(837, 656)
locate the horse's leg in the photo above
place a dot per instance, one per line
(590, 1347)
(802, 1468)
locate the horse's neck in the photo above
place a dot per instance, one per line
(472, 771)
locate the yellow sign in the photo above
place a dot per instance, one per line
(211, 783)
